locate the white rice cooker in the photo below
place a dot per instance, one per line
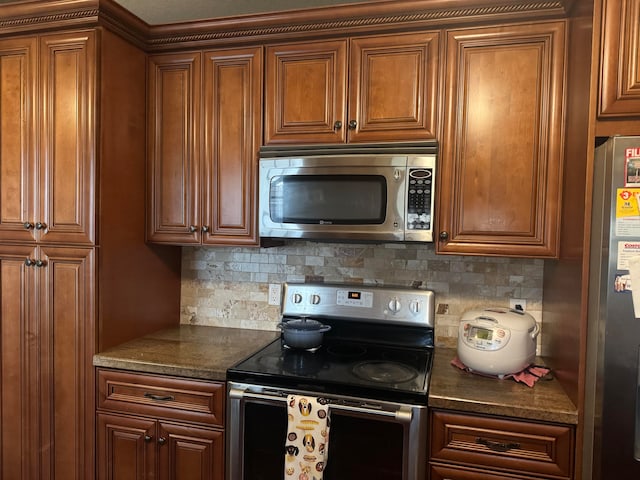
(497, 341)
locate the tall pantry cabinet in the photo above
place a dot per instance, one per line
(75, 273)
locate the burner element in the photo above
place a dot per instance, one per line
(384, 372)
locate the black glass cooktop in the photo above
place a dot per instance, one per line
(342, 366)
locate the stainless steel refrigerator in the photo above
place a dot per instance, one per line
(612, 420)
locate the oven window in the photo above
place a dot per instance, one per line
(332, 199)
(359, 447)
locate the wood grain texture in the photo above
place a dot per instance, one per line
(620, 59)
(501, 161)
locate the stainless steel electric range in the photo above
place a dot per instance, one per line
(372, 369)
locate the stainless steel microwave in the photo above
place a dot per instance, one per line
(377, 193)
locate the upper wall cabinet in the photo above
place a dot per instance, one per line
(369, 89)
(501, 157)
(46, 179)
(204, 133)
(620, 69)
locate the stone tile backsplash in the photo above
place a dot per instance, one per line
(228, 286)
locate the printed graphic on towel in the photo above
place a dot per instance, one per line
(307, 437)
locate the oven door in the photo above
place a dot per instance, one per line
(368, 439)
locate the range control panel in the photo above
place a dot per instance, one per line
(406, 306)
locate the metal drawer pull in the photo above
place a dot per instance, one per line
(496, 446)
(159, 398)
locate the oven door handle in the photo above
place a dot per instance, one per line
(401, 415)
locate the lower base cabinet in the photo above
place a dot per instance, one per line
(155, 427)
(473, 447)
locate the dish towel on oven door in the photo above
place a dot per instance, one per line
(307, 442)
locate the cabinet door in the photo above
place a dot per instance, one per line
(393, 88)
(620, 81)
(66, 339)
(173, 148)
(18, 66)
(305, 93)
(18, 413)
(500, 168)
(233, 128)
(67, 138)
(190, 453)
(126, 447)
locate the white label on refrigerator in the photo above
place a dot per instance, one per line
(634, 273)
(627, 250)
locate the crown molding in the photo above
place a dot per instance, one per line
(350, 19)
(391, 15)
(29, 16)
(33, 15)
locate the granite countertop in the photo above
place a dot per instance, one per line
(186, 351)
(206, 352)
(455, 389)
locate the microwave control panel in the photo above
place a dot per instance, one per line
(419, 198)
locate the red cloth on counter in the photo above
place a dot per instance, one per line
(529, 375)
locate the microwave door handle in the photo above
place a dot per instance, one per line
(401, 415)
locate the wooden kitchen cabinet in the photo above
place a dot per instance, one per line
(47, 331)
(469, 446)
(502, 152)
(204, 133)
(77, 275)
(151, 426)
(46, 190)
(620, 59)
(369, 89)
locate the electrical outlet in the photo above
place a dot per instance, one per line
(518, 304)
(275, 294)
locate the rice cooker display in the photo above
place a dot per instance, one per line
(485, 338)
(481, 333)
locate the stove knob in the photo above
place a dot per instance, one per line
(394, 305)
(415, 307)
(297, 298)
(315, 299)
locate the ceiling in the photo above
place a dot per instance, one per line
(156, 12)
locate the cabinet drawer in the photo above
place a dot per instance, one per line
(503, 445)
(161, 397)
(443, 472)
